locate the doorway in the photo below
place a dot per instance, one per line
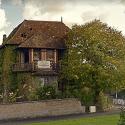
(26, 56)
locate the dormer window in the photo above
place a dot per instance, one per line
(23, 35)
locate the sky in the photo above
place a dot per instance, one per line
(13, 12)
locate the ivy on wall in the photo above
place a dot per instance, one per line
(13, 84)
(1, 62)
(16, 86)
(8, 77)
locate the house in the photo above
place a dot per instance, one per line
(35, 49)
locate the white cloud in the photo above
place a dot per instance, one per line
(17, 2)
(3, 22)
(112, 12)
(1, 35)
(31, 12)
(113, 15)
(45, 11)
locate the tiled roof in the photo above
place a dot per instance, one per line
(42, 41)
(39, 34)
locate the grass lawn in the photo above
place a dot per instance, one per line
(98, 120)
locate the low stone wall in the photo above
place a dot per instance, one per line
(40, 109)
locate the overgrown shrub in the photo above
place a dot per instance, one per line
(87, 96)
(104, 103)
(46, 92)
(32, 96)
(12, 97)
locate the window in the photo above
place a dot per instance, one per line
(23, 35)
(44, 80)
(50, 55)
(36, 54)
(26, 55)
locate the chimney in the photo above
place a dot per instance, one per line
(4, 38)
(61, 19)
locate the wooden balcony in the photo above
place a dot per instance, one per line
(22, 67)
(32, 67)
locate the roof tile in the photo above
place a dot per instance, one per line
(47, 34)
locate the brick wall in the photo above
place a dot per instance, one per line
(41, 108)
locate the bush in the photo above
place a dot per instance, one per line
(122, 117)
(12, 97)
(87, 96)
(46, 92)
(104, 103)
(32, 96)
(84, 94)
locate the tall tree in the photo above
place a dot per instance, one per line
(95, 57)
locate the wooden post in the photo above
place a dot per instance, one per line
(43, 54)
(31, 58)
(55, 59)
(21, 57)
(30, 55)
(55, 56)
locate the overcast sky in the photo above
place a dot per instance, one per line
(13, 12)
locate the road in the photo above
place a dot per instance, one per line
(46, 119)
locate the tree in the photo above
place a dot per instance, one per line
(95, 58)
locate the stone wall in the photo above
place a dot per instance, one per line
(40, 109)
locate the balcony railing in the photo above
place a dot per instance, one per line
(22, 67)
(33, 67)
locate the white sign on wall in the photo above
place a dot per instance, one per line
(43, 64)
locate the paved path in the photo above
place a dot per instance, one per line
(46, 119)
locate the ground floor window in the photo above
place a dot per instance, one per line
(48, 80)
(44, 80)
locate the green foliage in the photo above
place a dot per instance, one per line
(1, 63)
(27, 86)
(122, 117)
(22, 85)
(46, 92)
(12, 97)
(76, 90)
(95, 120)
(95, 58)
(87, 96)
(104, 103)
(8, 77)
(32, 96)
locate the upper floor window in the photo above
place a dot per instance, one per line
(36, 54)
(50, 55)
